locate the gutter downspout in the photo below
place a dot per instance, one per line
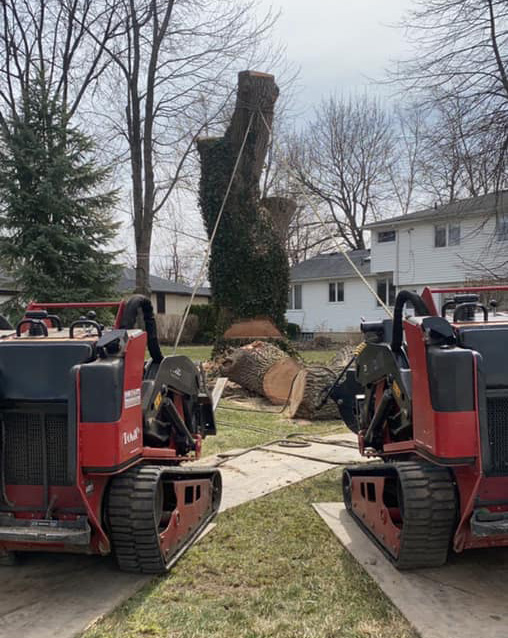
(396, 273)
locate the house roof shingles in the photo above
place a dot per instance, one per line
(332, 266)
(482, 205)
(127, 283)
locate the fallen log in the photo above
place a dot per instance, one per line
(307, 393)
(265, 369)
(343, 357)
(248, 365)
(279, 378)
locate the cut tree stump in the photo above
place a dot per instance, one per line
(278, 380)
(248, 365)
(307, 393)
(282, 211)
(258, 328)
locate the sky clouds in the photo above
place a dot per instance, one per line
(339, 44)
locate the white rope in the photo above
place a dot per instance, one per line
(202, 271)
(324, 224)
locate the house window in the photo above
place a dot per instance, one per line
(386, 291)
(384, 236)
(446, 235)
(335, 291)
(295, 297)
(439, 236)
(161, 303)
(502, 228)
(453, 234)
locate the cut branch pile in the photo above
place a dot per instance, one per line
(267, 370)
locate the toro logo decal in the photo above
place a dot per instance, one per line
(131, 437)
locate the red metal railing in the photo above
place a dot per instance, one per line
(35, 305)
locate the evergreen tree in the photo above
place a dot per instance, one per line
(55, 221)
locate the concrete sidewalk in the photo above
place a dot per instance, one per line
(466, 598)
(58, 596)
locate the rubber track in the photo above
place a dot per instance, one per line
(134, 538)
(430, 512)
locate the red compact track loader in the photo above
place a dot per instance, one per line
(92, 439)
(429, 396)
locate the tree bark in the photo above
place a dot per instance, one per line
(307, 393)
(257, 92)
(143, 262)
(310, 384)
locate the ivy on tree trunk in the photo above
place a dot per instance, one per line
(248, 269)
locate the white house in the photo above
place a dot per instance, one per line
(444, 246)
(169, 300)
(168, 297)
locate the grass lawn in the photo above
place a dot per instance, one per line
(202, 353)
(196, 353)
(270, 569)
(318, 356)
(238, 428)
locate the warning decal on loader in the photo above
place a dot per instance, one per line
(132, 398)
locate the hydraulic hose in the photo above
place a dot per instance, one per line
(420, 309)
(129, 316)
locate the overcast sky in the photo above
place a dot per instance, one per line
(339, 44)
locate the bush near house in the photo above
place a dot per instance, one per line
(168, 326)
(293, 331)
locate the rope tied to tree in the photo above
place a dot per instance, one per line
(316, 212)
(202, 271)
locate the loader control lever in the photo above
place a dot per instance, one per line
(466, 312)
(37, 327)
(460, 300)
(43, 315)
(84, 322)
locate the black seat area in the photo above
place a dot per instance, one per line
(40, 371)
(491, 342)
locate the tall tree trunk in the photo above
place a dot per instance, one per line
(143, 263)
(248, 270)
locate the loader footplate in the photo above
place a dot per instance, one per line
(409, 509)
(486, 524)
(22, 530)
(155, 513)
